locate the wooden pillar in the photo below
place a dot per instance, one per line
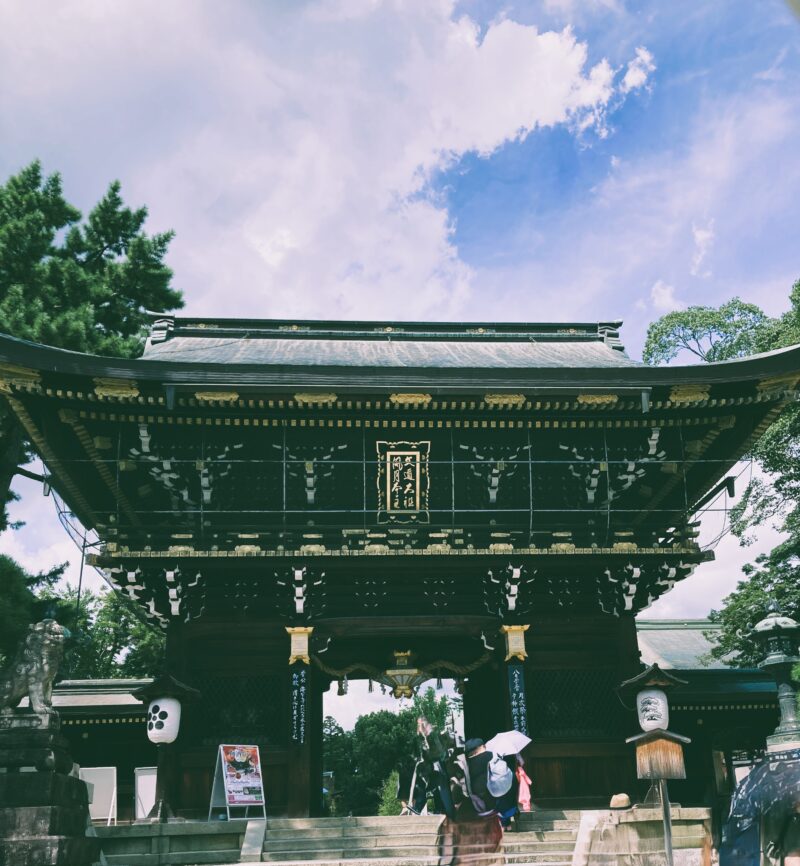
(485, 701)
(495, 696)
(628, 656)
(305, 707)
(514, 665)
(168, 770)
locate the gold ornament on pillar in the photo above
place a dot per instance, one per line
(298, 651)
(515, 641)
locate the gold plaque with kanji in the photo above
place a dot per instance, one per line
(403, 482)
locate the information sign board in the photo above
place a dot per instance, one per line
(103, 805)
(238, 782)
(144, 791)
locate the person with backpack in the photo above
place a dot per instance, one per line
(478, 760)
(491, 780)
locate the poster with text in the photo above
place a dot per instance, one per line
(241, 770)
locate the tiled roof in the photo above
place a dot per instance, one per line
(679, 644)
(378, 344)
(96, 695)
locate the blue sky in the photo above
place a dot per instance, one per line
(553, 160)
(539, 160)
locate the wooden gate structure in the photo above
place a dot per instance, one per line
(296, 502)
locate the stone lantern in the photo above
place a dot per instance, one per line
(164, 697)
(778, 636)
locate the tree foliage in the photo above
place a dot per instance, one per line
(380, 741)
(19, 604)
(85, 285)
(772, 578)
(108, 639)
(77, 284)
(389, 804)
(773, 497)
(362, 760)
(81, 285)
(437, 709)
(710, 333)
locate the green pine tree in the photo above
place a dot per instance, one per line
(85, 285)
(77, 284)
(389, 804)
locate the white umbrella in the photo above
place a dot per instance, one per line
(508, 743)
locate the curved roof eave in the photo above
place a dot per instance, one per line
(14, 351)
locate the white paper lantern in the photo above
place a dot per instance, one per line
(163, 720)
(653, 710)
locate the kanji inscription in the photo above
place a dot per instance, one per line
(403, 482)
(517, 699)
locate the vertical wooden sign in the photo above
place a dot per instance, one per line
(299, 702)
(517, 699)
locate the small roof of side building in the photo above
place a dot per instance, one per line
(679, 644)
(103, 697)
(685, 645)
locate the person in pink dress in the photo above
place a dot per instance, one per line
(524, 795)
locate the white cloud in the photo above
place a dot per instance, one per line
(638, 70)
(774, 72)
(292, 147)
(703, 239)
(41, 543)
(663, 298)
(636, 227)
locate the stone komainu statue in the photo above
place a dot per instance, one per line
(34, 668)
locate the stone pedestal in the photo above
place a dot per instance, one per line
(787, 735)
(43, 810)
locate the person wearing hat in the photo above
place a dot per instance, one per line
(478, 758)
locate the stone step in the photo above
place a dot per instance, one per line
(544, 859)
(309, 840)
(372, 855)
(537, 847)
(541, 838)
(371, 861)
(565, 835)
(366, 841)
(357, 821)
(338, 832)
(349, 830)
(176, 858)
(554, 859)
(545, 826)
(536, 853)
(538, 815)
